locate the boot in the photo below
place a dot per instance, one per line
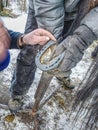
(66, 83)
(15, 104)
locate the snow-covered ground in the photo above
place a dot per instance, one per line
(55, 114)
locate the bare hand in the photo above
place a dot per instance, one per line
(4, 37)
(38, 36)
(4, 41)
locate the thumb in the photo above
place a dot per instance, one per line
(59, 49)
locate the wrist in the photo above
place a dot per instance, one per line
(21, 41)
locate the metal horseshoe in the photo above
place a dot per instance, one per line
(48, 64)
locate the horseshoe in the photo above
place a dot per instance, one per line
(44, 60)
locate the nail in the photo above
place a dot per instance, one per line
(47, 38)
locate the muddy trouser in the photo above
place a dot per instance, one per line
(24, 72)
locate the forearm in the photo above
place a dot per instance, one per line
(84, 35)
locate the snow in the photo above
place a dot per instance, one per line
(16, 24)
(54, 116)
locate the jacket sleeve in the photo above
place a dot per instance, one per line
(31, 23)
(81, 39)
(91, 21)
(14, 37)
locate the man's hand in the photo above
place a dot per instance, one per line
(38, 36)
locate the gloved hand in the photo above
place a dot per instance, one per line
(73, 46)
(70, 58)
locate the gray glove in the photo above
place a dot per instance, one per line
(73, 46)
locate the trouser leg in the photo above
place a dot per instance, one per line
(24, 72)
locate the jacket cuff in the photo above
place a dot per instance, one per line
(91, 21)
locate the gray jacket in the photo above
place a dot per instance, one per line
(50, 15)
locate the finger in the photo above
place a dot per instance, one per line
(47, 33)
(58, 50)
(42, 39)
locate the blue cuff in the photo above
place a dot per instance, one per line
(6, 62)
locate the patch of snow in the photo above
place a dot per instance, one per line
(16, 24)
